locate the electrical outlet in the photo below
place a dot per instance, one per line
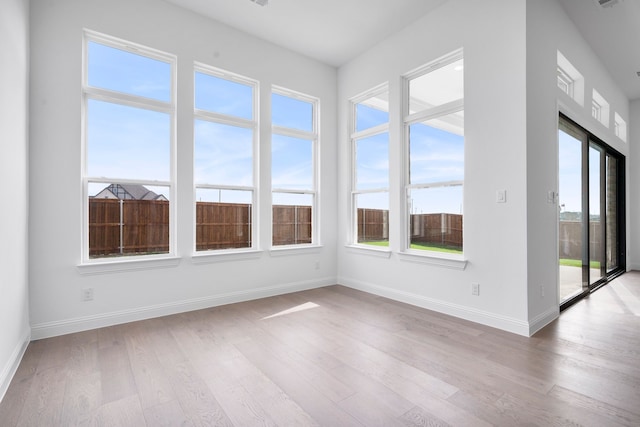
(475, 289)
(87, 294)
(317, 265)
(541, 291)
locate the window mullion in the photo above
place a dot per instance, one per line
(106, 95)
(431, 113)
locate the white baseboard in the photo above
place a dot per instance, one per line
(67, 326)
(11, 367)
(478, 316)
(543, 320)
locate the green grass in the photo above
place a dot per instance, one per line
(578, 263)
(419, 246)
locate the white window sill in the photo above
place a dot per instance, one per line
(370, 250)
(295, 250)
(454, 261)
(103, 266)
(211, 256)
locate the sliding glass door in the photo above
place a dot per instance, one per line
(591, 213)
(572, 253)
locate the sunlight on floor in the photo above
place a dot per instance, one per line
(630, 301)
(301, 307)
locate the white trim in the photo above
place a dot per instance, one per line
(209, 256)
(456, 262)
(127, 263)
(440, 62)
(11, 367)
(78, 324)
(293, 191)
(223, 187)
(439, 184)
(543, 319)
(224, 119)
(128, 100)
(314, 138)
(493, 320)
(354, 137)
(435, 112)
(201, 67)
(361, 249)
(293, 133)
(372, 131)
(128, 46)
(205, 256)
(408, 120)
(136, 101)
(286, 250)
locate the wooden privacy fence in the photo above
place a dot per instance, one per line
(373, 225)
(570, 240)
(291, 225)
(442, 229)
(434, 229)
(223, 225)
(121, 227)
(128, 227)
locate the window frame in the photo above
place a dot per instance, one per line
(439, 258)
(135, 101)
(600, 108)
(619, 127)
(314, 137)
(566, 80)
(354, 137)
(229, 120)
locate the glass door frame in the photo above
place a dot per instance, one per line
(607, 152)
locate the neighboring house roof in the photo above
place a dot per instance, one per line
(128, 192)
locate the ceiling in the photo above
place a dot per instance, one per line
(331, 31)
(336, 31)
(614, 35)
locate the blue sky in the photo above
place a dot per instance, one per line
(570, 178)
(133, 143)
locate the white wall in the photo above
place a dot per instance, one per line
(633, 190)
(14, 304)
(492, 34)
(55, 186)
(549, 29)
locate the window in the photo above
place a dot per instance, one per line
(565, 82)
(570, 81)
(370, 165)
(128, 149)
(596, 110)
(434, 128)
(600, 108)
(225, 144)
(294, 150)
(620, 127)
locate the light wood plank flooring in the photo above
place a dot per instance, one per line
(338, 357)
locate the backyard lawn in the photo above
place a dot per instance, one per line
(421, 246)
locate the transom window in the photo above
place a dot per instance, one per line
(620, 127)
(434, 129)
(225, 144)
(565, 82)
(370, 165)
(294, 150)
(600, 108)
(128, 149)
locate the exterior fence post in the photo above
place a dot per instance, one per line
(121, 226)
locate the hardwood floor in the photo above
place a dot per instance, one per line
(338, 357)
